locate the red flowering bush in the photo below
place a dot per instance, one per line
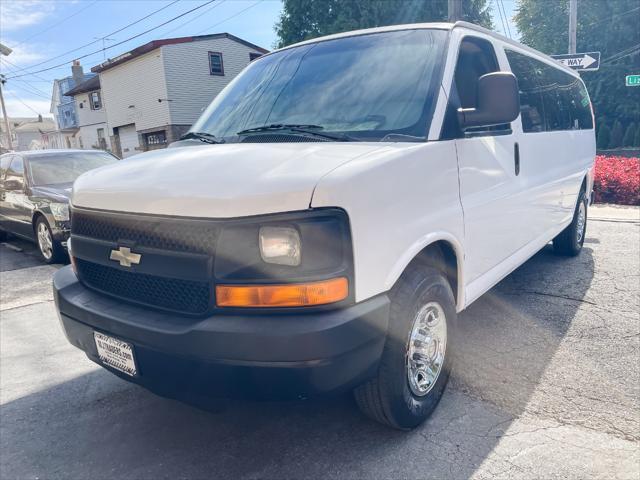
(617, 180)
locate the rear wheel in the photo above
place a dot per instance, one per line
(569, 242)
(416, 361)
(51, 250)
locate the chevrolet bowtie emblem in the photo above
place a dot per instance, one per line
(125, 256)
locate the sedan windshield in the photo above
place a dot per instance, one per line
(54, 169)
(374, 87)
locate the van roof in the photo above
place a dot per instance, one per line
(437, 26)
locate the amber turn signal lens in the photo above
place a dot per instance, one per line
(294, 295)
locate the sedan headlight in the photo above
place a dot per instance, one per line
(60, 211)
(280, 245)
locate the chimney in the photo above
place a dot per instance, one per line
(77, 73)
(39, 118)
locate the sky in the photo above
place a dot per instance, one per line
(39, 30)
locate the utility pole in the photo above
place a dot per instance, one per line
(454, 10)
(573, 25)
(4, 113)
(6, 51)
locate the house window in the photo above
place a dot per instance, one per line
(253, 56)
(156, 138)
(215, 63)
(95, 101)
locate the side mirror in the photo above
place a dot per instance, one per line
(498, 102)
(12, 185)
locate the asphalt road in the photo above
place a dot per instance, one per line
(547, 385)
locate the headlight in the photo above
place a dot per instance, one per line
(60, 211)
(280, 245)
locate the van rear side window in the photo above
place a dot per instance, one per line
(550, 99)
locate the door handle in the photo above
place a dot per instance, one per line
(516, 157)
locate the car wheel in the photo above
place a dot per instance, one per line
(416, 360)
(569, 242)
(51, 251)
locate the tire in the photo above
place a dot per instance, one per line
(50, 250)
(391, 398)
(569, 242)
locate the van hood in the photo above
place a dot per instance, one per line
(216, 181)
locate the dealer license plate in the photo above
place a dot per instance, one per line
(116, 353)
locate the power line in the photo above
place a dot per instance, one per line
(28, 87)
(55, 24)
(98, 39)
(17, 69)
(615, 58)
(18, 98)
(504, 30)
(119, 43)
(229, 18)
(615, 15)
(193, 19)
(504, 11)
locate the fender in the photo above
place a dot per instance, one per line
(418, 246)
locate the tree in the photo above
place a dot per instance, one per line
(605, 26)
(604, 137)
(305, 19)
(617, 132)
(629, 135)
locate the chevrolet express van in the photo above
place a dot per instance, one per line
(328, 216)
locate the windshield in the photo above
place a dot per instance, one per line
(65, 168)
(368, 87)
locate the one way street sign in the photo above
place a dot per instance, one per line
(580, 61)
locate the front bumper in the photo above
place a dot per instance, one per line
(246, 355)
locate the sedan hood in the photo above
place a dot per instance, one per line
(216, 181)
(57, 193)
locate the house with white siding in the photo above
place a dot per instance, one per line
(154, 93)
(91, 114)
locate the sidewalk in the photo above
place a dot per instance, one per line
(614, 213)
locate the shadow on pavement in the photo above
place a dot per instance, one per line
(99, 425)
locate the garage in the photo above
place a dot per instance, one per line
(128, 140)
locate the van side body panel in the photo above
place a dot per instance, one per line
(399, 200)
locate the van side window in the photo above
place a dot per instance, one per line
(550, 99)
(531, 104)
(475, 59)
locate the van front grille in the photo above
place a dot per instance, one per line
(181, 235)
(185, 296)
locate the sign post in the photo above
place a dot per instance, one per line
(632, 81)
(583, 62)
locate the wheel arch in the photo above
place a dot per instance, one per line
(450, 249)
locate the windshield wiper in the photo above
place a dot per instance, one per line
(299, 128)
(202, 136)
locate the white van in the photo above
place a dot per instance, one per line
(328, 216)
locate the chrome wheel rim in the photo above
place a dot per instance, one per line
(426, 348)
(44, 240)
(582, 220)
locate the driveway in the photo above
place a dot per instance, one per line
(547, 385)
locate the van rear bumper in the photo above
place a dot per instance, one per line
(231, 355)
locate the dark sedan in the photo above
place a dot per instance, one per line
(34, 194)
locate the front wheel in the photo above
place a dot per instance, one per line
(416, 361)
(51, 250)
(569, 242)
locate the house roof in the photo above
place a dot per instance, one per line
(45, 124)
(147, 47)
(93, 83)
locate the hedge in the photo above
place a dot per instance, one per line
(617, 180)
